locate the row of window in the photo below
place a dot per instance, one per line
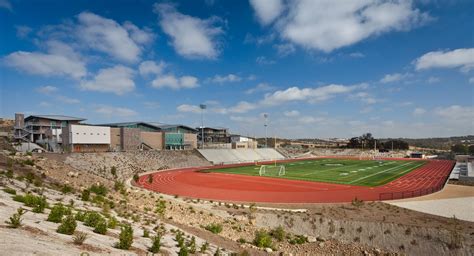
(91, 133)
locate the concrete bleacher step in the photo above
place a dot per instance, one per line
(228, 156)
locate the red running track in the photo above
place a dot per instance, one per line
(187, 182)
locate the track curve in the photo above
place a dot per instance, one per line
(187, 182)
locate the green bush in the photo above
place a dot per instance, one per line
(146, 233)
(204, 247)
(15, 219)
(112, 224)
(92, 218)
(57, 213)
(150, 178)
(156, 244)
(18, 198)
(79, 238)
(125, 238)
(262, 239)
(85, 195)
(183, 251)
(136, 177)
(278, 233)
(98, 189)
(192, 245)
(298, 239)
(161, 208)
(80, 216)
(66, 189)
(215, 228)
(68, 226)
(10, 191)
(101, 227)
(37, 202)
(119, 186)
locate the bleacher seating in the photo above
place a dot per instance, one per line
(229, 156)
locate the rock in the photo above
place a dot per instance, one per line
(312, 239)
(240, 218)
(366, 253)
(321, 239)
(321, 245)
(269, 250)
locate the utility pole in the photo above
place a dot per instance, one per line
(202, 107)
(265, 115)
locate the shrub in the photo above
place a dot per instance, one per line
(204, 247)
(298, 239)
(119, 186)
(15, 219)
(85, 195)
(18, 198)
(215, 228)
(357, 203)
(192, 245)
(146, 233)
(183, 251)
(10, 191)
(68, 226)
(156, 244)
(113, 170)
(262, 239)
(112, 222)
(57, 213)
(125, 238)
(92, 218)
(37, 202)
(136, 177)
(79, 238)
(66, 189)
(161, 208)
(150, 178)
(101, 227)
(242, 240)
(278, 233)
(80, 216)
(98, 189)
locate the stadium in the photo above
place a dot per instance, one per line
(309, 180)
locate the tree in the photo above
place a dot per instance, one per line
(459, 149)
(471, 150)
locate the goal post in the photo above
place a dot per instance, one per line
(282, 170)
(262, 170)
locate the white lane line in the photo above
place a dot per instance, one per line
(365, 177)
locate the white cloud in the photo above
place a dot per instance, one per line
(141, 36)
(312, 95)
(291, 113)
(433, 80)
(110, 111)
(285, 49)
(267, 10)
(419, 111)
(459, 58)
(5, 4)
(365, 97)
(471, 80)
(175, 83)
(225, 79)
(261, 87)
(151, 104)
(106, 35)
(151, 67)
(390, 78)
(262, 60)
(67, 100)
(48, 89)
(191, 37)
(189, 108)
(117, 79)
(61, 59)
(457, 113)
(327, 24)
(242, 107)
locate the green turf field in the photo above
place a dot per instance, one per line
(343, 171)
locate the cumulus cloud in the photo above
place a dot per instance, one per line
(357, 55)
(141, 36)
(419, 111)
(106, 35)
(175, 83)
(433, 80)
(110, 111)
(47, 89)
(460, 58)
(151, 67)
(60, 59)
(471, 80)
(390, 78)
(267, 10)
(225, 79)
(457, 112)
(364, 97)
(311, 95)
(191, 37)
(262, 60)
(188, 108)
(117, 79)
(327, 25)
(5, 4)
(242, 107)
(67, 100)
(261, 87)
(285, 49)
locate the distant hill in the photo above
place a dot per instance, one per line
(438, 143)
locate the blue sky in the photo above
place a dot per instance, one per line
(319, 68)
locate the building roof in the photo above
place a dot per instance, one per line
(168, 126)
(125, 124)
(212, 128)
(243, 136)
(57, 117)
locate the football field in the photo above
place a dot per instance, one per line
(342, 171)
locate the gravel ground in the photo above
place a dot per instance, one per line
(462, 208)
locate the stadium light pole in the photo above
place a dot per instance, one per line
(202, 107)
(265, 115)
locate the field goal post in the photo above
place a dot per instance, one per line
(282, 171)
(262, 170)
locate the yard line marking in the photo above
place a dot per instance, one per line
(365, 177)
